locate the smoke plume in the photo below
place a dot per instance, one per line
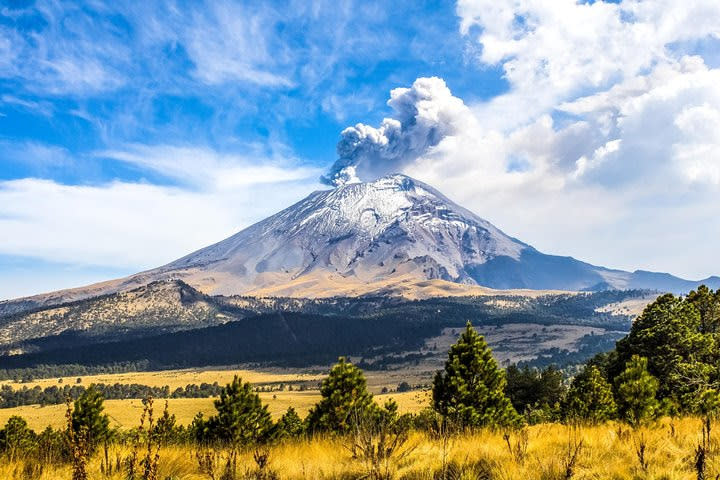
(423, 115)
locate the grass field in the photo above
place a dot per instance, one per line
(600, 452)
(180, 378)
(311, 377)
(607, 451)
(125, 413)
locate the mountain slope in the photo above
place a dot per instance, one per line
(363, 232)
(226, 330)
(159, 307)
(393, 230)
(395, 236)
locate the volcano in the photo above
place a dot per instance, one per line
(395, 235)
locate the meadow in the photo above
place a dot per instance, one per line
(622, 416)
(540, 452)
(181, 377)
(124, 414)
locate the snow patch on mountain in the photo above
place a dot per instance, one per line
(395, 235)
(365, 230)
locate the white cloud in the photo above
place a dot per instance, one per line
(606, 145)
(600, 155)
(552, 50)
(233, 43)
(698, 155)
(666, 120)
(127, 225)
(123, 226)
(628, 170)
(207, 169)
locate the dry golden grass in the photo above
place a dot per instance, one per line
(223, 375)
(608, 453)
(408, 402)
(122, 413)
(178, 378)
(410, 285)
(125, 413)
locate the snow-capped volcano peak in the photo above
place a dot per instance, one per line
(362, 231)
(369, 209)
(370, 237)
(394, 235)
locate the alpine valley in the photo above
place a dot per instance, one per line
(383, 270)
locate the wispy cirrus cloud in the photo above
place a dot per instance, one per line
(40, 107)
(98, 48)
(68, 52)
(81, 51)
(242, 47)
(35, 156)
(207, 169)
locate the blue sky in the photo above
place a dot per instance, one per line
(88, 78)
(134, 132)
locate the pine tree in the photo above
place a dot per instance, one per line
(16, 437)
(636, 392)
(165, 428)
(51, 446)
(344, 395)
(88, 418)
(290, 425)
(707, 303)
(241, 417)
(590, 397)
(668, 335)
(535, 391)
(471, 389)
(199, 429)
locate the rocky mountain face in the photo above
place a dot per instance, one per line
(363, 232)
(382, 231)
(157, 307)
(393, 236)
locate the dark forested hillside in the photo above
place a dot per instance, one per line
(306, 332)
(280, 338)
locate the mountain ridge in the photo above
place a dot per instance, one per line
(391, 235)
(147, 321)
